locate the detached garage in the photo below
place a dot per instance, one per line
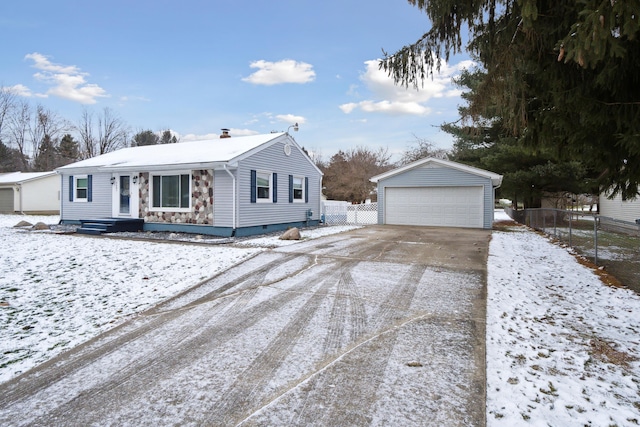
(435, 192)
(32, 192)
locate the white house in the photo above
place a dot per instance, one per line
(30, 192)
(619, 209)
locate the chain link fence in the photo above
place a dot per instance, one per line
(608, 242)
(344, 213)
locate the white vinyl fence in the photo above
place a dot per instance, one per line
(344, 213)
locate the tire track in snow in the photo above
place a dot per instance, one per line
(246, 391)
(330, 389)
(346, 300)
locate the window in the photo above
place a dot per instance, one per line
(263, 185)
(171, 191)
(80, 188)
(298, 189)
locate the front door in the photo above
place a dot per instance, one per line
(124, 194)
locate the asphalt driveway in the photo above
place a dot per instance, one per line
(379, 326)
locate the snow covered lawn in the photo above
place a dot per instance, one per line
(57, 291)
(562, 347)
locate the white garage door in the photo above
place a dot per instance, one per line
(434, 206)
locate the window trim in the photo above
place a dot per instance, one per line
(270, 197)
(76, 187)
(302, 197)
(161, 208)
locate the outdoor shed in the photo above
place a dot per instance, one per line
(228, 186)
(435, 192)
(30, 192)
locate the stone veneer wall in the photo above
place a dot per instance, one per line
(201, 201)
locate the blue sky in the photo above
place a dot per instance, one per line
(252, 66)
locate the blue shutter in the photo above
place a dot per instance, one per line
(253, 186)
(275, 188)
(290, 188)
(89, 187)
(306, 189)
(71, 188)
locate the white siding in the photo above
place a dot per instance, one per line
(628, 210)
(41, 195)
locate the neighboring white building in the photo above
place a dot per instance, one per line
(30, 192)
(616, 208)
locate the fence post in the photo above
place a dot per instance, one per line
(595, 239)
(555, 221)
(570, 230)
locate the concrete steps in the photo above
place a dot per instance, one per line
(109, 225)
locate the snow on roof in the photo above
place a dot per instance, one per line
(18, 177)
(183, 153)
(495, 178)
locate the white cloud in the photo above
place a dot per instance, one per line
(291, 119)
(21, 90)
(389, 98)
(66, 81)
(232, 131)
(348, 108)
(285, 71)
(396, 108)
(134, 98)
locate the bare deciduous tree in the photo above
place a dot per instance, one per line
(19, 122)
(45, 131)
(7, 106)
(108, 134)
(347, 174)
(423, 148)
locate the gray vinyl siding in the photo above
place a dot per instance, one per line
(273, 159)
(99, 207)
(430, 176)
(222, 199)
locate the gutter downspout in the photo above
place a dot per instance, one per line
(20, 191)
(60, 196)
(233, 199)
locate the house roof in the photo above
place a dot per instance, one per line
(496, 179)
(194, 154)
(20, 177)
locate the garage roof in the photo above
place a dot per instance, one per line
(20, 177)
(496, 179)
